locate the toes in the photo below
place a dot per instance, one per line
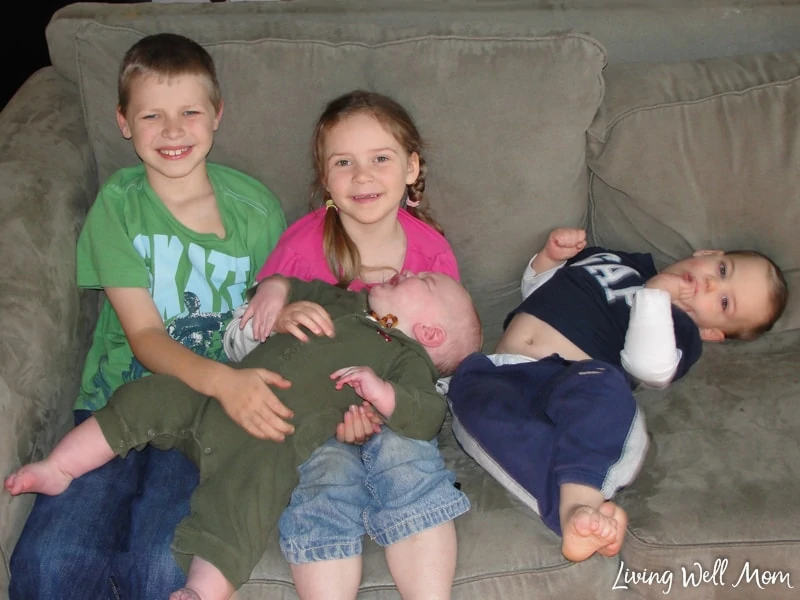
(13, 484)
(607, 509)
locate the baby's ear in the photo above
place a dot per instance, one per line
(430, 336)
(712, 334)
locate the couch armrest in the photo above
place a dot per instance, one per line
(47, 182)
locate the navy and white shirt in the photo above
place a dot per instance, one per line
(589, 301)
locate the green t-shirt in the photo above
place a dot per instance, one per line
(130, 239)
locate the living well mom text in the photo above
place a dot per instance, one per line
(698, 574)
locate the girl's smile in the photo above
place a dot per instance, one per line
(366, 197)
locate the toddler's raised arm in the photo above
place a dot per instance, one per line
(562, 244)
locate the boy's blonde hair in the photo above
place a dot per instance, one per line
(778, 296)
(343, 257)
(166, 55)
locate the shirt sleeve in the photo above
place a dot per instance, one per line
(650, 354)
(106, 256)
(267, 239)
(237, 342)
(419, 409)
(299, 252)
(284, 261)
(532, 281)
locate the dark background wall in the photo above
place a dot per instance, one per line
(24, 49)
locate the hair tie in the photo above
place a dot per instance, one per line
(329, 203)
(408, 202)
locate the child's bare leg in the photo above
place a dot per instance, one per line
(80, 451)
(204, 582)
(424, 564)
(330, 579)
(589, 523)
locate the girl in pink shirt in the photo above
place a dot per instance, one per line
(300, 251)
(373, 224)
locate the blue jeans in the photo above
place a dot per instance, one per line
(390, 488)
(108, 535)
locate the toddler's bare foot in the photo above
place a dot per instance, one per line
(41, 477)
(184, 594)
(588, 530)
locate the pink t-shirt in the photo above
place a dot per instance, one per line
(299, 251)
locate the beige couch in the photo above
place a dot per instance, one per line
(537, 114)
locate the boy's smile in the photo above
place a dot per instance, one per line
(170, 154)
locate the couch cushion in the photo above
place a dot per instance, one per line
(701, 155)
(720, 484)
(523, 103)
(631, 30)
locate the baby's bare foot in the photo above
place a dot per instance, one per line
(184, 594)
(41, 477)
(589, 530)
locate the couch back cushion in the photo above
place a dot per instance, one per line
(505, 122)
(701, 155)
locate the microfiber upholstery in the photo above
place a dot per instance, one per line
(701, 154)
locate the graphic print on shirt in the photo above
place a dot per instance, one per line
(195, 290)
(200, 331)
(610, 276)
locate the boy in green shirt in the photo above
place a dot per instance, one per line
(174, 243)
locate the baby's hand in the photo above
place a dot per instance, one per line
(359, 424)
(564, 243)
(310, 315)
(679, 288)
(265, 307)
(367, 385)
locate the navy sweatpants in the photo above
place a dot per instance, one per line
(536, 425)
